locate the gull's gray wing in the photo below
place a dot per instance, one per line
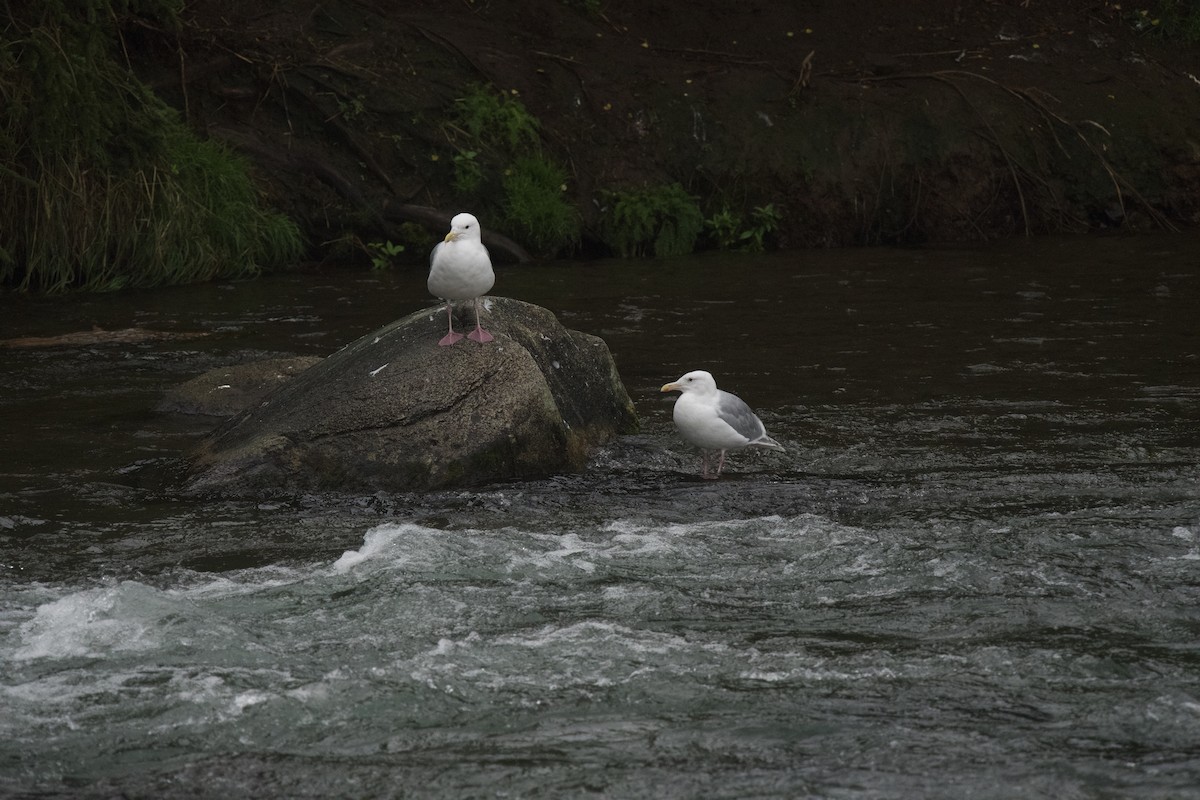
(734, 411)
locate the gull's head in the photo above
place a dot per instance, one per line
(463, 226)
(697, 381)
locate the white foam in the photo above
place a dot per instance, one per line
(521, 555)
(92, 622)
(589, 653)
(820, 674)
(626, 592)
(570, 544)
(598, 632)
(378, 542)
(244, 582)
(251, 698)
(658, 536)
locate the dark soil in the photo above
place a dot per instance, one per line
(862, 122)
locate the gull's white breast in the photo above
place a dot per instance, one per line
(460, 271)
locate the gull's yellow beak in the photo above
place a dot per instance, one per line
(451, 236)
(670, 387)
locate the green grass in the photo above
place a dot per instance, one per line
(102, 186)
(654, 221)
(535, 209)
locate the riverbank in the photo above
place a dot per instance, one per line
(815, 124)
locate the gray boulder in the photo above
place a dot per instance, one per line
(225, 391)
(395, 411)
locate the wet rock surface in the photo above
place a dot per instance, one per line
(395, 411)
(225, 391)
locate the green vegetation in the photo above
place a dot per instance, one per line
(500, 170)
(1171, 19)
(468, 173)
(534, 207)
(659, 221)
(496, 120)
(102, 186)
(729, 231)
(383, 254)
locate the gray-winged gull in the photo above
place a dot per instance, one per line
(460, 269)
(713, 419)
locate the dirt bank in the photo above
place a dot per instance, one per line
(860, 122)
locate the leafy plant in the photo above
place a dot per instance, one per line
(728, 230)
(658, 221)
(535, 209)
(724, 229)
(764, 222)
(383, 254)
(494, 119)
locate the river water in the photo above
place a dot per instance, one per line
(974, 573)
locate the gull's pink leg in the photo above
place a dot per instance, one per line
(720, 464)
(479, 334)
(451, 337)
